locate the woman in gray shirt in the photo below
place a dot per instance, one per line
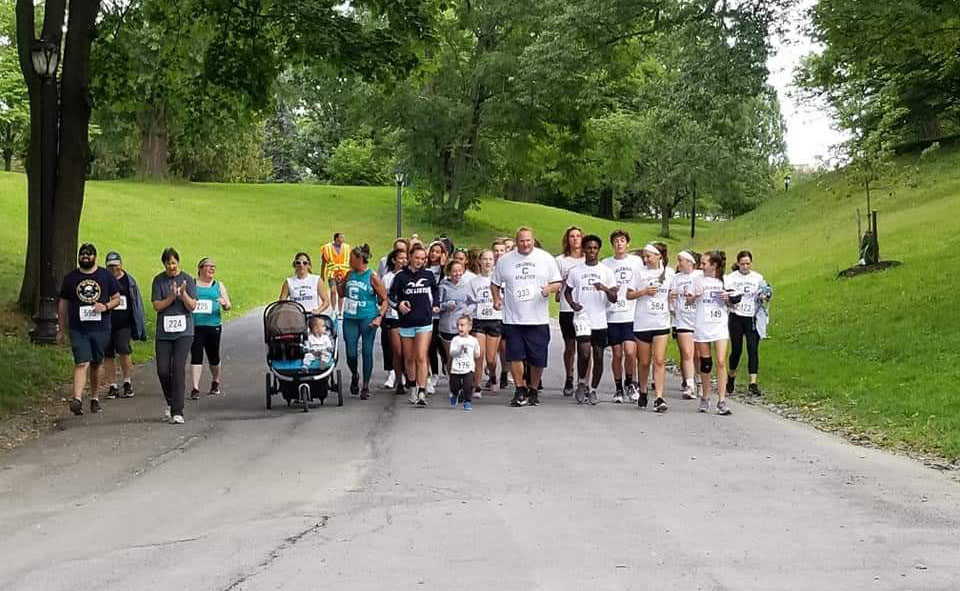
(174, 297)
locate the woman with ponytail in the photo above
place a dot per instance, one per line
(364, 304)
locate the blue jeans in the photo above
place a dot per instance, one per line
(355, 329)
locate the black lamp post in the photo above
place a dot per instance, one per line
(46, 59)
(400, 178)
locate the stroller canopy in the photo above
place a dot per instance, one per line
(284, 318)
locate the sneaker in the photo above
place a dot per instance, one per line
(509, 378)
(730, 384)
(754, 390)
(364, 393)
(391, 380)
(95, 405)
(412, 394)
(467, 406)
(431, 385)
(194, 394)
(166, 414)
(660, 405)
(113, 392)
(421, 399)
(533, 398)
(634, 392)
(698, 387)
(400, 390)
(704, 405)
(453, 400)
(354, 385)
(214, 389)
(722, 408)
(490, 384)
(580, 394)
(177, 420)
(477, 393)
(519, 398)
(642, 399)
(593, 398)
(618, 397)
(76, 406)
(127, 390)
(503, 380)
(688, 393)
(568, 387)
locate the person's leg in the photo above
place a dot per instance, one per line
(445, 355)
(685, 344)
(736, 344)
(110, 370)
(706, 367)
(644, 354)
(421, 351)
(660, 362)
(616, 364)
(455, 385)
(164, 352)
(492, 352)
(196, 357)
(516, 370)
(478, 373)
(351, 338)
(466, 388)
(212, 349)
(583, 360)
(126, 367)
(181, 351)
(396, 349)
(409, 348)
(753, 352)
(368, 336)
(629, 361)
(597, 364)
(434, 351)
(721, 363)
(80, 371)
(95, 381)
(385, 349)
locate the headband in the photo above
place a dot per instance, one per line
(687, 256)
(205, 261)
(652, 250)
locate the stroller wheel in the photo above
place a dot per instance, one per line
(269, 393)
(305, 397)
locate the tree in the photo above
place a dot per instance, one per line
(14, 111)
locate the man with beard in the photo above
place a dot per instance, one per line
(87, 295)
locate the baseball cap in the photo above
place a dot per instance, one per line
(87, 248)
(113, 258)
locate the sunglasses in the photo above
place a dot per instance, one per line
(298, 263)
(88, 254)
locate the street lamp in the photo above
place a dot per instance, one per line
(400, 178)
(46, 59)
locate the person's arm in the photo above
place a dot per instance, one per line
(284, 291)
(63, 316)
(225, 302)
(435, 295)
(161, 304)
(568, 293)
(188, 294)
(381, 292)
(611, 292)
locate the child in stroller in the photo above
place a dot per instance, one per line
(318, 350)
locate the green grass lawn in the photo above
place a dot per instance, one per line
(870, 354)
(252, 231)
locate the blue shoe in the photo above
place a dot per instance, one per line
(453, 400)
(467, 406)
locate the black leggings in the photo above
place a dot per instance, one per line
(740, 327)
(437, 352)
(386, 348)
(205, 339)
(172, 371)
(461, 386)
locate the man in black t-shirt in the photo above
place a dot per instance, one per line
(87, 296)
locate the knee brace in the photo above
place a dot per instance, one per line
(706, 364)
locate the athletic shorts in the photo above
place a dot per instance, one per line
(412, 331)
(389, 323)
(447, 336)
(491, 328)
(647, 336)
(596, 338)
(88, 347)
(679, 331)
(619, 332)
(119, 343)
(529, 343)
(206, 339)
(567, 329)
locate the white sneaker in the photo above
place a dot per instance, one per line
(166, 413)
(177, 420)
(421, 399)
(391, 380)
(431, 385)
(634, 392)
(477, 394)
(412, 394)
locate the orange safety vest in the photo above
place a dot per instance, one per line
(337, 264)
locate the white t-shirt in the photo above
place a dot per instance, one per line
(684, 313)
(522, 277)
(565, 264)
(387, 282)
(464, 352)
(623, 271)
(652, 312)
(749, 286)
(468, 276)
(595, 303)
(711, 324)
(482, 300)
(304, 291)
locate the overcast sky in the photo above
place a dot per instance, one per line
(810, 131)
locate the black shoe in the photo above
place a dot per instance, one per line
(618, 397)
(642, 401)
(354, 384)
(364, 393)
(214, 389)
(76, 406)
(127, 390)
(112, 393)
(730, 382)
(519, 398)
(194, 394)
(400, 390)
(754, 390)
(533, 398)
(660, 405)
(503, 380)
(95, 406)
(568, 387)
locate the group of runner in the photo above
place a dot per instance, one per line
(445, 311)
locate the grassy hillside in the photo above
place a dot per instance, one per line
(876, 353)
(252, 231)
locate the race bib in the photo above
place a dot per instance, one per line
(89, 314)
(526, 293)
(123, 303)
(581, 325)
(204, 307)
(461, 364)
(174, 324)
(350, 306)
(747, 306)
(714, 316)
(656, 306)
(621, 304)
(485, 310)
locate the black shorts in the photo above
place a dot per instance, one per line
(119, 343)
(619, 333)
(596, 338)
(446, 337)
(389, 323)
(678, 331)
(566, 326)
(529, 343)
(491, 328)
(647, 336)
(88, 347)
(206, 339)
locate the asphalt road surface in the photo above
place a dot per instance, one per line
(381, 495)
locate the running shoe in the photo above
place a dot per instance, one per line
(127, 390)
(431, 385)
(166, 414)
(453, 400)
(754, 390)
(688, 393)
(477, 393)
(354, 385)
(177, 420)
(214, 389)
(618, 397)
(364, 393)
(519, 397)
(113, 392)
(399, 390)
(503, 380)
(568, 387)
(76, 406)
(467, 406)
(533, 398)
(581, 393)
(490, 384)
(593, 397)
(730, 384)
(723, 409)
(704, 405)
(421, 398)
(412, 394)
(634, 392)
(194, 394)
(390, 381)
(642, 400)
(660, 405)
(95, 405)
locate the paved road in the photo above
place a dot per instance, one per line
(379, 495)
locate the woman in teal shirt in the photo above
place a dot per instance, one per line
(360, 291)
(212, 299)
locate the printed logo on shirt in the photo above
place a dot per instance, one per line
(420, 286)
(89, 291)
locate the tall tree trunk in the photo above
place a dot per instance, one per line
(154, 143)
(666, 214)
(606, 203)
(7, 160)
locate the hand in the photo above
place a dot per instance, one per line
(98, 307)
(576, 306)
(498, 305)
(544, 292)
(436, 309)
(222, 302)
(600, 287)
(174, 288)
(452, 306)
(691, 297)
(375, 322)
(725, 296)
(404, 307)
(649, 291)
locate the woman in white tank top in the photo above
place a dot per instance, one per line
(304, 287)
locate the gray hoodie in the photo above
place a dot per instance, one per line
(456, 294)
